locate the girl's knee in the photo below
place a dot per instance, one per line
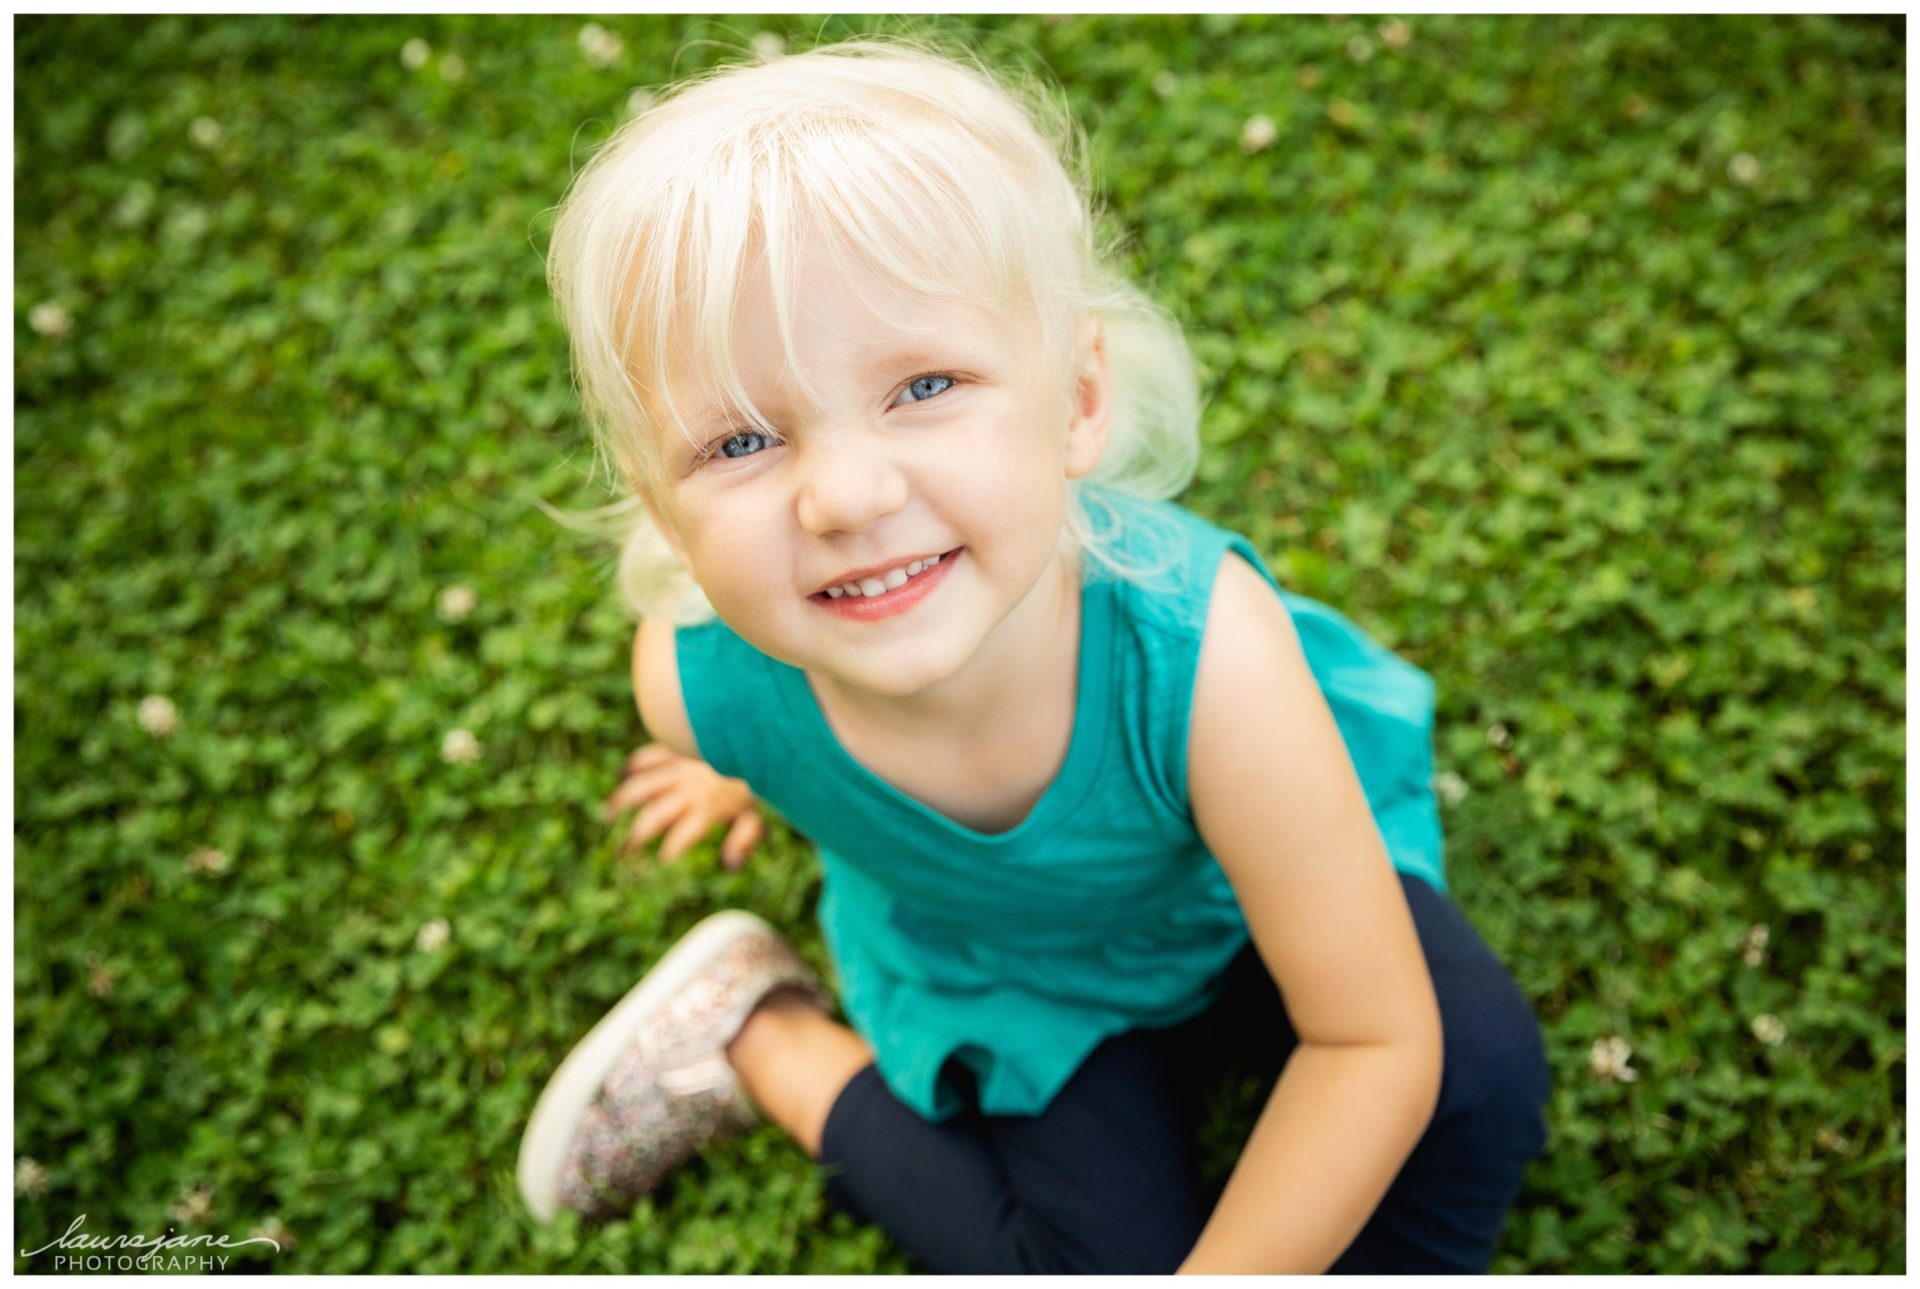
(1496, 1078)
(1496, 1071)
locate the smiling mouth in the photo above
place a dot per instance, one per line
(918, 589)
(844, 598)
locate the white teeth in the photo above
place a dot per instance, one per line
(885, 582)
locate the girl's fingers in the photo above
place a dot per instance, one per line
(683, 836)
(741, 838)
(650, 821)
(635, 790)
(651, 754)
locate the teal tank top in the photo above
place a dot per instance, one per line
(1015, 954)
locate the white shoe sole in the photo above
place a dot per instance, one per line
(557, 1115)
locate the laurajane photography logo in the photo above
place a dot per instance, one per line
(82, 1251)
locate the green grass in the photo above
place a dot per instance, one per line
(1565, 355)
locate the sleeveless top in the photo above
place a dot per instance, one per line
(1017, 953)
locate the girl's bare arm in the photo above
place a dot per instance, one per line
(676, 791)
(656, 687)
(1276, 798)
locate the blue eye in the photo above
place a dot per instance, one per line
(727, 446)
(923, 388)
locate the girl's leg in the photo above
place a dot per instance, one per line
(937, 1189)
(1107, 1175)
(1445, 1209)
(793, 1060)
(1101, 1181)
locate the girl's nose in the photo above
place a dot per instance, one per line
(847, 483)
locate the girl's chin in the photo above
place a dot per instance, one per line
(884, 678)
(880, 677)
(886, 684)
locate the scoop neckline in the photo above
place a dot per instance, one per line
(1091, 714)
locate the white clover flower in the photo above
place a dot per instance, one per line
(455, 603)
(1395, 33)
(1259, 132)
(29, 1178)
(208, 860)
(158, 716)
(639, 101)
(1754, 945)
(1499, 735)
(1450, 787)
(601, 46)
(415, 53)
(1609, 1060)
(195, 1207)
(768, 45)
(433, 936)
(188, 225)
(1744, 169)
(135, 206)
(453, 67)
(49, 319)
(460, 747)
(1768, 1029)
(1165, 83)
(1828, 1139)
(277, 1231)
(205, 132)
(1359, 49)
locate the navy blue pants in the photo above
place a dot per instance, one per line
(1106, 1179)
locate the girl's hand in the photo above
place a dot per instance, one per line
(686, 798)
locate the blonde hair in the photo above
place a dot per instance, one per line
(950, 181)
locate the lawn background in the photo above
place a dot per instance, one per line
(1564, 354)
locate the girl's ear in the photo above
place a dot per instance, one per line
(1092, 401)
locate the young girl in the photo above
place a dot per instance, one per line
(1100, 807)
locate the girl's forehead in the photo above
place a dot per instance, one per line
(827, 315)
(833, 299)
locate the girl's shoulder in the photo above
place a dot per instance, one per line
(656, 686)
(720, 686)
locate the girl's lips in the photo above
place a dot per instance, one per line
(872, 608)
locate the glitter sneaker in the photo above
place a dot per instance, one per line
(650, 1084)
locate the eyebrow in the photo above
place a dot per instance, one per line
(882, 361)
(709, 420)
